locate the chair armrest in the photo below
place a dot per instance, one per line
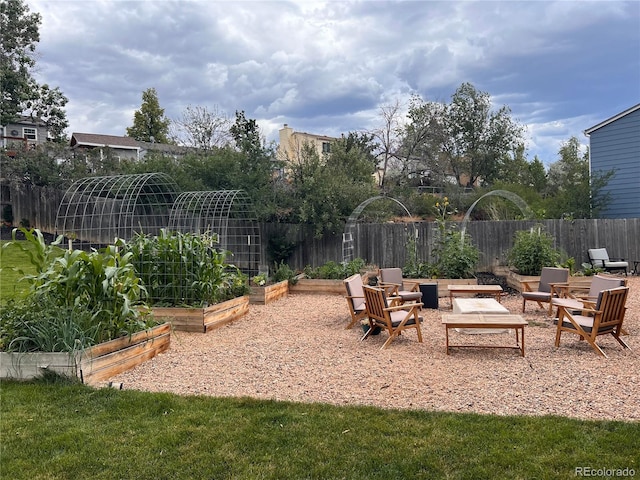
(404, 306)
(415, 286)
(561, 289)
(527, 285)
(389, 288)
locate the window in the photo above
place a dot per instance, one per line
(30, 133)
(326, 147)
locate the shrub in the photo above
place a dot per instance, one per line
(532, 250)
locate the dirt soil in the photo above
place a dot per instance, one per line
(298, 349)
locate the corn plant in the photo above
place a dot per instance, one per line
(74, 298)
(185, 269)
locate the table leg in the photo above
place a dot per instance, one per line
(446, 335)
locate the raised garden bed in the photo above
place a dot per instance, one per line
(515, 280)
(319, 286)
(323, 286)
(269, 293)
(93, 364)
(204, 319)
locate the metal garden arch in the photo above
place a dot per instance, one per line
(227, 213)
(96, 210)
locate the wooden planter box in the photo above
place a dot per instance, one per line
(444, 282)
(514, 280)
(322, 286)
(318, 286)
(269, 293)
(93, 364)
(204, 319)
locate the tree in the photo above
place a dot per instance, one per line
(476, 137)
(19, 36)
(573, 192)
(422, 142)
(149, 123)
(387, 138)
(464, 138)
(256, 162)
(325, 190)
(202, 128)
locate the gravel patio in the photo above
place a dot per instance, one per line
(297, 349)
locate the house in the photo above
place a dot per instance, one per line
(124, 147)
(24, 132)
(291, 143)
(614, 144)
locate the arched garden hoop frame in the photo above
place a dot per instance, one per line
(227, 213)
(96, 210)
(348, 243)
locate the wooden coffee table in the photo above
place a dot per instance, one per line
(481, 320)
(495, 290)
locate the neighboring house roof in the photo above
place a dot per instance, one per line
(588, 131)
(124, 143)
(96, 140)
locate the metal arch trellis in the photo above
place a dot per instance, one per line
(96, 210)
(347, 236)
(227, 213)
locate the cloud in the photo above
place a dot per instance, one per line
(329, 66)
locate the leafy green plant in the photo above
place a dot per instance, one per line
(532, 249)
(282, 272)
(569, 263)
(455, 255)
(74, 299)
(335, 271)
(589, 270)
(185, 269)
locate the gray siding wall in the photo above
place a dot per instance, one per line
(617, 146)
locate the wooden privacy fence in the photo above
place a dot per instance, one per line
(385, 244)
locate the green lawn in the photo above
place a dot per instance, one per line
(59, 430)
(9, 279)
(74, 432)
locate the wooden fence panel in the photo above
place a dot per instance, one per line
(385, 245)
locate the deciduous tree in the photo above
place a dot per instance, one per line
(20, 93)
(202, 129)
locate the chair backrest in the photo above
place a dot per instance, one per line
(391, 275)
(599, 254)
(376, 302)
(600, 283)
(354, 285)
(612, 304)
(551, 275)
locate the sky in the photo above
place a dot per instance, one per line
(329, 67)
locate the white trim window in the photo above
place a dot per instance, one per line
(30, 133)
